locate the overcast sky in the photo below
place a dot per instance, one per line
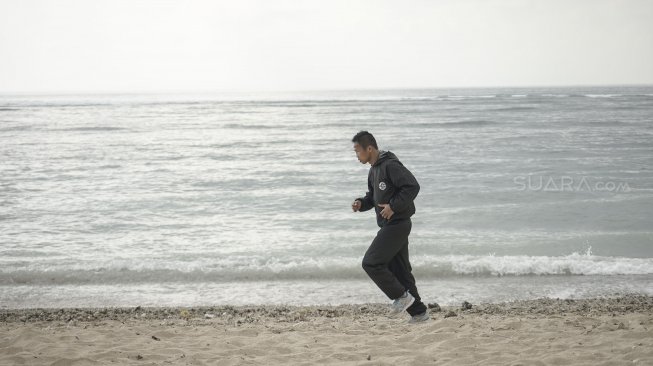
(167, 46)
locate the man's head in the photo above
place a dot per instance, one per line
(365, 146)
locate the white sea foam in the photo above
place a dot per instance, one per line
(573, 264)
(602, 95)
(555, 95)
(238, 268)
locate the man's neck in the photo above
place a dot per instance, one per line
(375, 157)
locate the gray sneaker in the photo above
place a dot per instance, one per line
(402, 303)
(419, 318)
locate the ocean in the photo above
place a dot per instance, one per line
(245, 198)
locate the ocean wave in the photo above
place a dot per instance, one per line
(602, 95)
(555, 95)
(264, 269)
(98, 128)
(469, 123)
(513, 108)
(574, 264)
(250, 126)
(17, 128)
(469, 96)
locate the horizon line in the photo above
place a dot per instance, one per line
(233, 90)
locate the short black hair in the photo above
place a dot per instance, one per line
(365, 139)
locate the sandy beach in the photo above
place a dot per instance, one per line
(607, 331)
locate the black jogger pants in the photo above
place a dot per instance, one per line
(386, 262)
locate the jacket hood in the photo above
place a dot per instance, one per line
(385, 155)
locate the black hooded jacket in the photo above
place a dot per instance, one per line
(389, 181)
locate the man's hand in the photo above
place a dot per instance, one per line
(387, 212)
(356, 205)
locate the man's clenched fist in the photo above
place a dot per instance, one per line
(356, 205)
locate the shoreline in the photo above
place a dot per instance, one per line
(610, 331)
(543, 306)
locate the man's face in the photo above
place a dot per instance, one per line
(363, 155)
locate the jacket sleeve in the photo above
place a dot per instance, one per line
(367, 202)
(406, 186)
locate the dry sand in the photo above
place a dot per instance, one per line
(609, 331)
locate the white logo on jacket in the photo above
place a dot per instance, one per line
(382, 186)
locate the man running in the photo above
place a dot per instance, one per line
(391, 191)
